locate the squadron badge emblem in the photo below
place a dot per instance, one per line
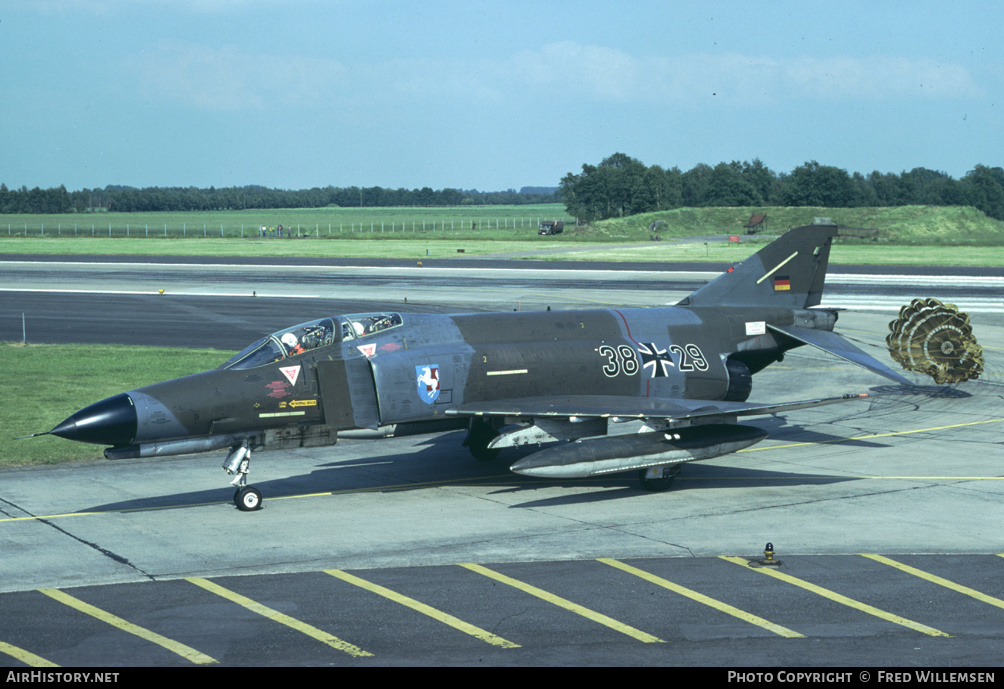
(427, 378)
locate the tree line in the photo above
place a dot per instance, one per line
(621, 185)
(150, 199)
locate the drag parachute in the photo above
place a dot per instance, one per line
(936, 339)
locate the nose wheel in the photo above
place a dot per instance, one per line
(246, 498)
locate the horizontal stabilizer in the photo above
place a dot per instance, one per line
(608, 406)
(833, 343)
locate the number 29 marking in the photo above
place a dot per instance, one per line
(691, 357)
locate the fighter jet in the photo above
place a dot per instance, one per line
(600, 391)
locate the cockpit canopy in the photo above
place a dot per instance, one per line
(311, 335)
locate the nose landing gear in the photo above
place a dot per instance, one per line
(246, 498)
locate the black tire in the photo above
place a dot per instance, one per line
(477, 442)
(656, 485)
(248, 499)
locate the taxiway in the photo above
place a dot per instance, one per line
(915, 479)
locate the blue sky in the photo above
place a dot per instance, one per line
(488, 95)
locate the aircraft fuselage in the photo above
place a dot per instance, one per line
(415, 370)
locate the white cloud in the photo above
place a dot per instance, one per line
(608, 74)
(877, 77)
(597, 70)
(228, 78)
(108, 7)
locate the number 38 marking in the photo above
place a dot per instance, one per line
(620, 360)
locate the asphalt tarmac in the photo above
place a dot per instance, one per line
(885, 514)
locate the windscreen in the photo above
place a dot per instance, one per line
(311, 335)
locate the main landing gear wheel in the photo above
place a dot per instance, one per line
(247, 499)
(658, 479)
(480, 434)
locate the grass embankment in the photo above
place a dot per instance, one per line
(906, 235)
(903, 225)
(43, 384)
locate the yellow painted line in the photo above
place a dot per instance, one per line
(26, 657)
(982, 597)
(275, 615)
(939, 478)
(838, 477)
(435, 614)
(869, 437)
(186, 652)
(563, 603)
(838, 598)
(489, 480)
(50, 516)
(513, 478)
(706, 600)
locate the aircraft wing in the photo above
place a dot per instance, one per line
(833, 343)
(607, 406)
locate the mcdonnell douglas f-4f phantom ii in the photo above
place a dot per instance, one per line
(608, 390)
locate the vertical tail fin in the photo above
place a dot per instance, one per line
(789, 272)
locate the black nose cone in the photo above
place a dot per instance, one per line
(109, 422)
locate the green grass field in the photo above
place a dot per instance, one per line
(841, 254)
(408, 222)
(907, 235)
(564, 247)
(43, 384)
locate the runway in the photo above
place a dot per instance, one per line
(228, 304)
(407, 551)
